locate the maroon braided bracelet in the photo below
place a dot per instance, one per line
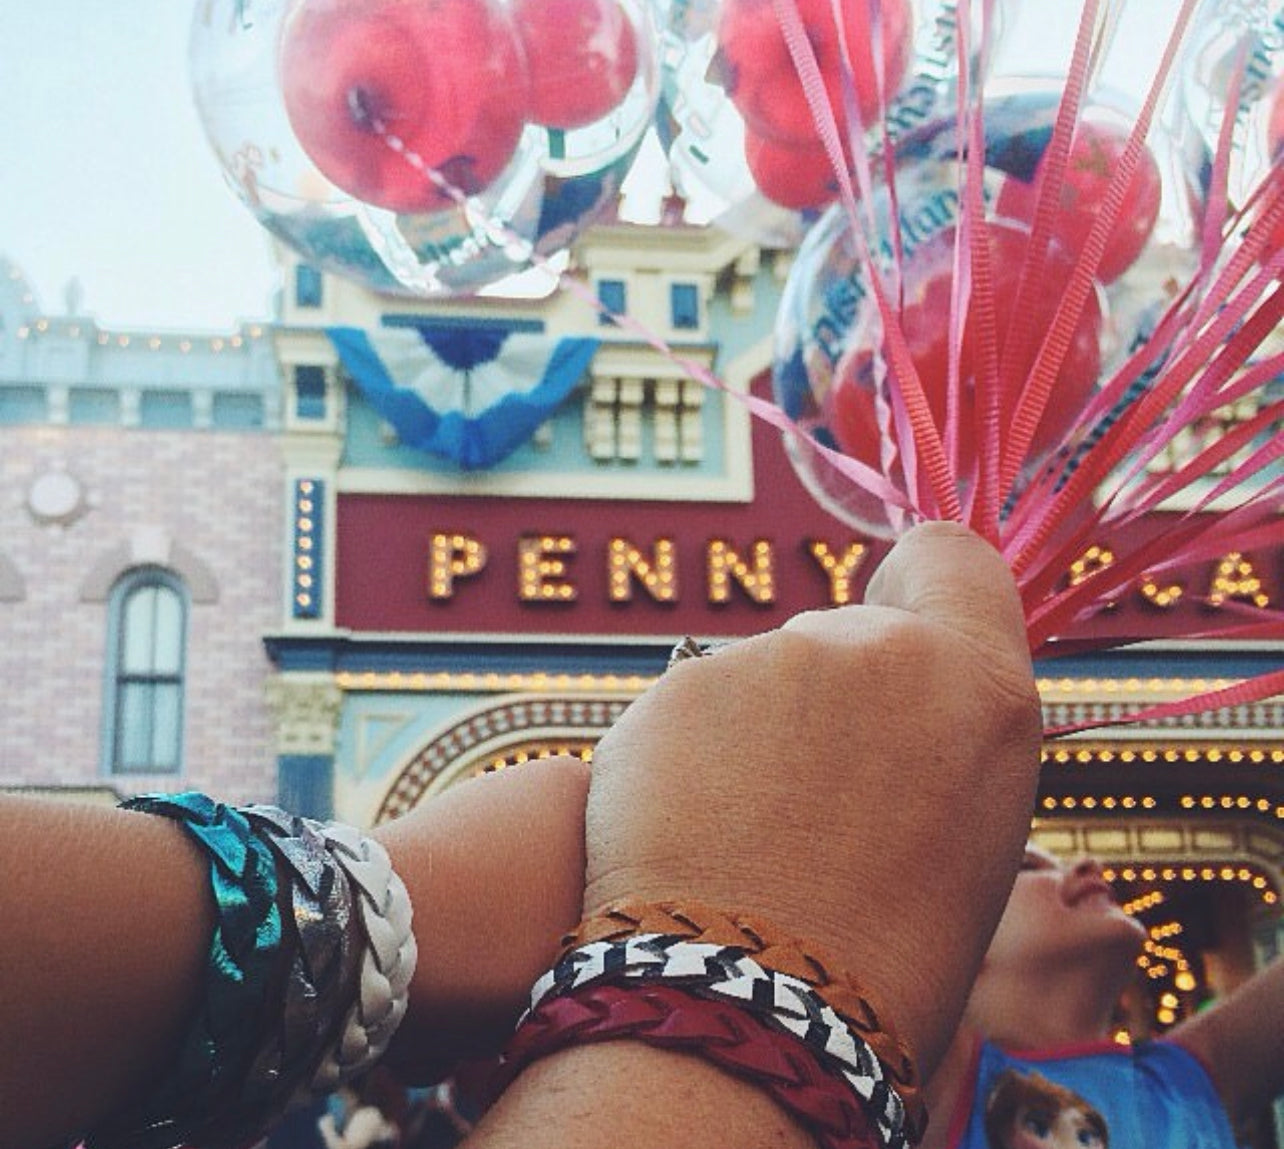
(723, 1034)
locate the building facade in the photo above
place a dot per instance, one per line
(140, 548)
(457, 621)
(370, 614)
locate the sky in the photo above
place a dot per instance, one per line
(106, 176)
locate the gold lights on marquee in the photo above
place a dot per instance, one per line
(755, 575)
(841, 570)
(452, 556)
(1094, 559)
(534, 752)
(308, 496)
(1188, 873)
(541, 572)
(1236, 579)
(544, 573)
(626, 564)
(1234, 755)
(1160, 596)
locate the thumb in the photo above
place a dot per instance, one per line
(944, 573)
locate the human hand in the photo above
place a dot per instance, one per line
(495, 872)
(862, 777)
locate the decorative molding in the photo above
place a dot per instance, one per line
(473, 682)
(1267, 715)
(305, 709)
(1176, 849)
(12, 586)
(459, 751)
(150, 546)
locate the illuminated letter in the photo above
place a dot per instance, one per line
(1092, 560)
(757, 581)
(1164, 597)
(451, 557)
(624, 562)
(840, 571)
(539, 572)
(1235, 578)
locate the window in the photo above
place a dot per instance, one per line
(307, 286)
(613, 295)
(147, 640)
(238, 412)
(684, 305)
(309, 388)
(165, 410)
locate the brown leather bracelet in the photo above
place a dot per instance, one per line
(772, 949)
(721, 1033)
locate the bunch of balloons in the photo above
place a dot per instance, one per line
(425, 146)
(831, 372)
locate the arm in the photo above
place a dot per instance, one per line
(106, 925)
(1241, 1042)
(495, 871)
(107, 920)
(830, 776)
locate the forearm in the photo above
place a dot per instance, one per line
(495, 872)
(107, 923)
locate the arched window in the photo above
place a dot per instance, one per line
(147, 648)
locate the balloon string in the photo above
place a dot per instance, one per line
(1056, 344)
(857, 472)
(940, 498)
(1032, 283)
(1058, 611)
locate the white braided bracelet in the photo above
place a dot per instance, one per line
(387, 964)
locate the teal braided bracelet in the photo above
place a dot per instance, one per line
(244, 962)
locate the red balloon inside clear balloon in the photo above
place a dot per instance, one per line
(797, 177)
(583, 56)
(925, 322)
(762, 81)
(1094, 157)
(445, 77)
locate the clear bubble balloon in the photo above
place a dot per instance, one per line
(427, 147)
(743, 145)
(831, 370)
(1233, 66)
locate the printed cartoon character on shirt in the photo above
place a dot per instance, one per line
(1027, 1111)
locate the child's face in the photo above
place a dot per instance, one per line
(1059, 912)
(1038, 1128)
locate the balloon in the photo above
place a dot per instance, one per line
(585, 54)
(446, 77)
(1226, 36)
(929, 280)
(737, 121)
(1094, 156)
(796, 176)
(831, 372)
(396, 142)
(761, 79)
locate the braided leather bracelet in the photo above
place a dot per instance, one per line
(293, 1008)
(774, 950)
(716, 1031)
(387, 964)
(243, 960)
(727, 973)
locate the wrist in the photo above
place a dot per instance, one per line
(658, 1096)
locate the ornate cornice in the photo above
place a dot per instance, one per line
(305, 709)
